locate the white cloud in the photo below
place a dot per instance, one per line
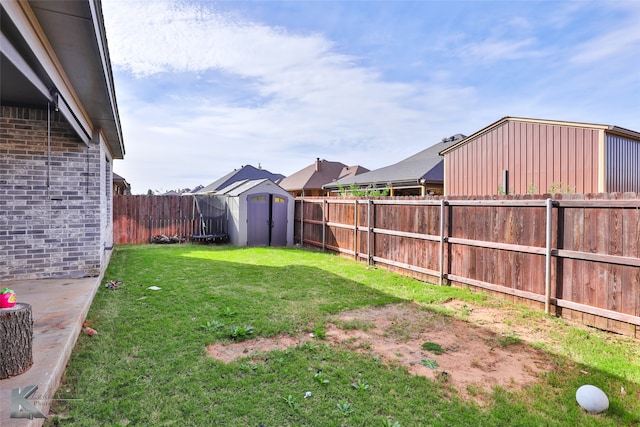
(162, 36)
(203, 91)
(623, 41)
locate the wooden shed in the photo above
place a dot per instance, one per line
(259, 213)
(534, 156)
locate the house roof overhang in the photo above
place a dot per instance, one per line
(55, 52)
(606, 128)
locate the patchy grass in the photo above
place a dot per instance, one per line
(149, 364)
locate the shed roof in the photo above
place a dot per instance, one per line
(239, 187)
(247, 172)
(427, 165)
(607, 128)
(317, 174)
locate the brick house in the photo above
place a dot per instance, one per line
(59, 134)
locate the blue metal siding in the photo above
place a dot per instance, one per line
(623, 164)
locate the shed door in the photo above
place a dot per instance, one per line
(278, 220)
(258, 220)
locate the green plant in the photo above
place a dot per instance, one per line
(240, 333)
(360, 385)
(345, 408)
(355, 191)
(505, 340)
(291, 402)
(531, 189)
(228, 312)
(560, 188)
(319, 332)
(429, 363)
(466, 310)
(390, 423)
(320, 378)
(212, 325)
(433, 347)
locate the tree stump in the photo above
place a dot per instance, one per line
(16, 340)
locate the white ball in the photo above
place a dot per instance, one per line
(592, 399)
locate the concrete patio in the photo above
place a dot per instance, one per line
(59, 306)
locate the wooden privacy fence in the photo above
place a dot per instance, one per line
(574, 255)
(136, 219)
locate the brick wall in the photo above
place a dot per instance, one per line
(50, 198)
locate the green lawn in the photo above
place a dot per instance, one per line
(149, 365)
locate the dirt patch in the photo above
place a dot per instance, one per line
(474, 361)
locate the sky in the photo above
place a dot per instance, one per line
(206, 87)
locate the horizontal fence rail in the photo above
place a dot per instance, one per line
(577, 256)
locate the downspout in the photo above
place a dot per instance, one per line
(48, 149)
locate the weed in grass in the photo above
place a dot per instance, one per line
(360, 385)
(505, 340)
(240, 333)
(320, 332)
(443, 377)
(345, 408)
(465, 311)
(388, 422)
(351, 325)
(433, 347)
(291, 402)
(365, 345)
(247, 367)
(229, 312)
(429, 363)
(310, 346)
(320, 378)
(212, 326)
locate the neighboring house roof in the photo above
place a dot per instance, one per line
(118, 178)
(607, 128)
(55, 52)
(317, 174)
(247, 172)
(239, 187)
(426, 165)
(120, 184)
(352, 171)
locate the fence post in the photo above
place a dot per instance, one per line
(324, 224)
(441, 241)
(370, 202)
(355, 229)
(547, 255)
(301, 222)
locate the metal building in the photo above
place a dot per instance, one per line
(533, 156)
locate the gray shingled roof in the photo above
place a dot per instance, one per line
(427, 165)
(244, 173)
